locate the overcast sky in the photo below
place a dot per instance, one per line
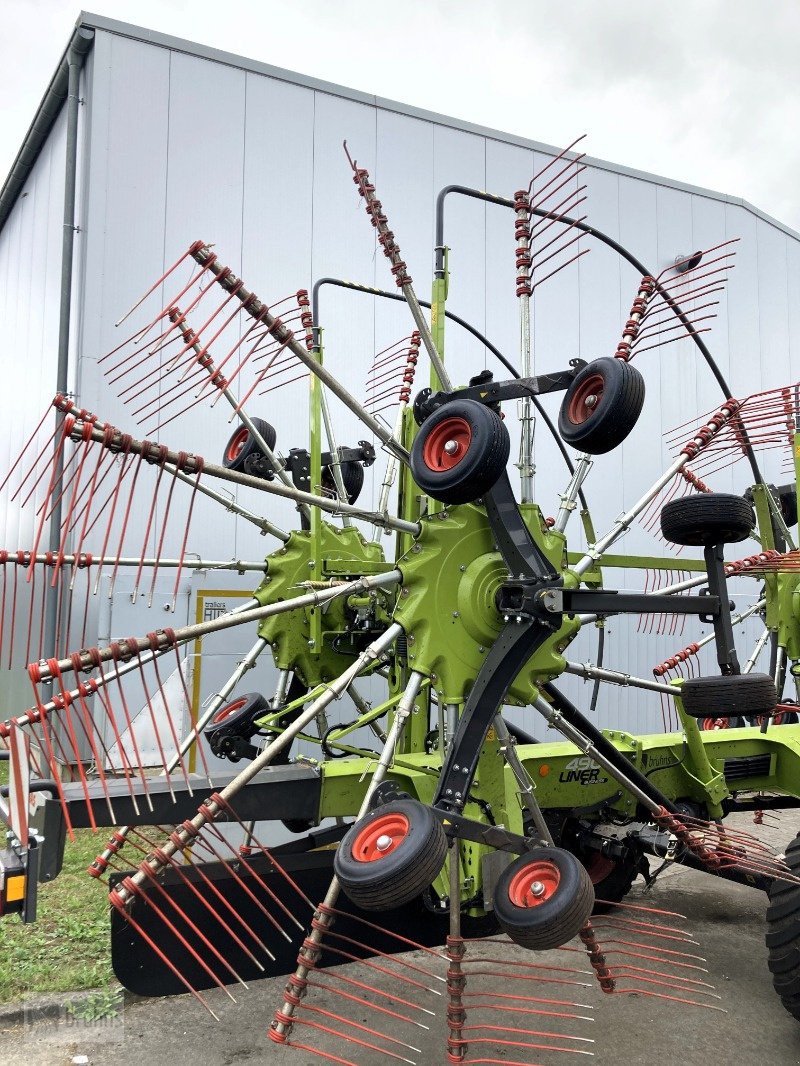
(703, 91)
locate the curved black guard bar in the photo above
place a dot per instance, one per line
(502, 201)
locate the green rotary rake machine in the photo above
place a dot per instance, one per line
(427, 814)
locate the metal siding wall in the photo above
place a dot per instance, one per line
(30, 276)
(184, 148)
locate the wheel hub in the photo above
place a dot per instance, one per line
(534, 884)
(447, 444)
(585, 399)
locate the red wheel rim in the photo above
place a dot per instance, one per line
(447, 444)
(237, 442)
(599, 867)
(227, 710)
(380, 838)
(710, 724)
(586, 399)
(534, 884)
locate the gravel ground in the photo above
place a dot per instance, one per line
(726, 919)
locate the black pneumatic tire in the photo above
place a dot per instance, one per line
(787, 499)
(707, 518)
(729, 696)
(232, 727)
(242, 445)
(481, 449)
(377, 879)
(352, 479)
(612, 879)
(601, 405)
(565, 905)
(783, 934)
(237, 712)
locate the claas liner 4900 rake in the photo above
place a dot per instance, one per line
(458, 837)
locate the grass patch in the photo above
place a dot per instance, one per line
(68, 948)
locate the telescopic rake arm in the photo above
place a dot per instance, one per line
(154, 453)
(282, 1024)
(698, 442)
(167, 639)
(281, 333)
(214, 807)
(391, 250)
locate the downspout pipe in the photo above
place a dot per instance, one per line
(48, 111)
(74, 59)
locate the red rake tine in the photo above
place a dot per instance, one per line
(151, 377)
(517, 964)
(90, 731)
(475, 971)
(201, 842)
(128, 463)
(85, 513)
(662, 951)
(561, 155)
(151, 712)
(297, 1020)
(254, 842)
(129, 769)
(537, 261)
(686, 983)
(499, 1042)
(375, 966)
(149, 524)
(380, 954)
(51, 485)
(173, 731)
(71, 508)
(33, 672)
(68, 474)
(560, 213)
(117, 903)
(209, 884)
(363, 1028)
(167, 861)
(559, 268)
(138, 761)
(324, 909)
(164, 312)
(160, 546)
(28, 444)
(573, 169)
(38, 458)
(182, 556)
(507, 998)
(366, 1003)
(192, 248)
(352, 982)
(200, 353)
(535, 1032)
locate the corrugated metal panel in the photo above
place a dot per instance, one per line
(30, 275)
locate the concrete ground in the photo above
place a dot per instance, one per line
(727, 920)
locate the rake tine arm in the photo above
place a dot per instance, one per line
(256, 309)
